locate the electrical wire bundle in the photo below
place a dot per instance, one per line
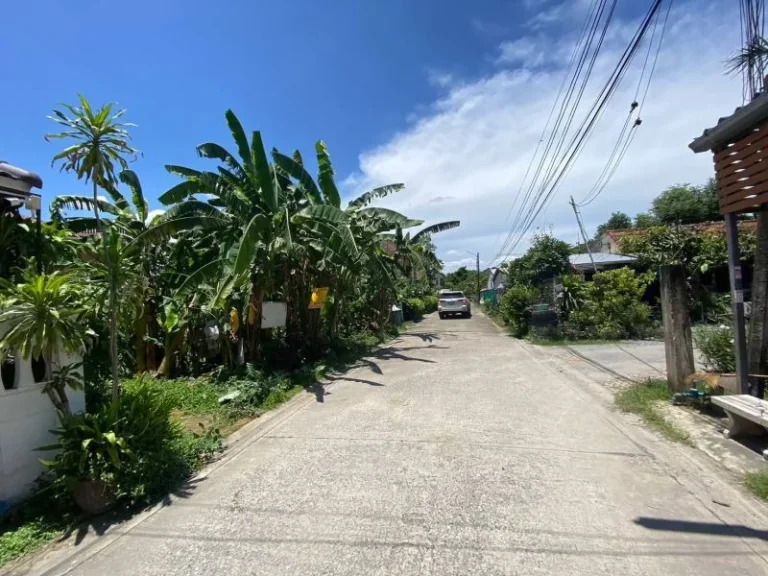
(562, 145)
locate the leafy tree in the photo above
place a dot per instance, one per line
(547, 258)
(464, 280)
(37, 316)
(687, 204)
(617, 221)
(646, 220)
(101, 144)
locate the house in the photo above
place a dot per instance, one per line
(495, 279)
(26, 414)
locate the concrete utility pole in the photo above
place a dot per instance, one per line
(583, 234)
(478, 277)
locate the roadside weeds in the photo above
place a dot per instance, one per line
(643, 399)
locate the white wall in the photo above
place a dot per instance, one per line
(26, 418)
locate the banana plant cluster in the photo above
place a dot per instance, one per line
(253, 227)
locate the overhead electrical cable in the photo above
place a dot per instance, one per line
(560, 163)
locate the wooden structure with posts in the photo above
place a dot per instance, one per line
(739, 143)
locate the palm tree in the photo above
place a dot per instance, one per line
(101, 143)
(111, 269)
(38, 316)
(130, 222)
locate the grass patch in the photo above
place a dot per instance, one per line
(643, 399)
(30, 525)
(757, 482)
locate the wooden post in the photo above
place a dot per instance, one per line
(678, 344)
(737, 301)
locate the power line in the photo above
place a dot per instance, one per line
(615, 161)
(579, 139)
(583, 48)
(549, 119)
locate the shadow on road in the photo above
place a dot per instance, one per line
(425, 336)
(389, 354)
(701, 528)
(351, 379)
(100, 524)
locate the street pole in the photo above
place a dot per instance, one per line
(583, 234)
(737, 302)
(478, 277)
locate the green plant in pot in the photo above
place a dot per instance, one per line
(91, 454)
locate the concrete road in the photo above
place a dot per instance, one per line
(457, 451)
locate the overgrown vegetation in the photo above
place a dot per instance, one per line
(716, 346)
(644, 399)
(610, 307)
(757, 482)
(167, 306)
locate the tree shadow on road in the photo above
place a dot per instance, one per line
(351, 379)
(425, 336)
(389, 354)
(709, 528)
(99, 525)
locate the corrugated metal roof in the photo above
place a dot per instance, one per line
(600, 258)
(20, 174)
(729, 128)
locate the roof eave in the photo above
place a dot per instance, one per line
(733, 127)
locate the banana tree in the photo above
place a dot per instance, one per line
(416, 252)
(247, 212)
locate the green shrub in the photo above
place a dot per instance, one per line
(717, 349)
(132, 444)
(610, 307)
(430, 304)
(413, 308)
(515, 308)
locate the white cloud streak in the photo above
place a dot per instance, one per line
(466, 156)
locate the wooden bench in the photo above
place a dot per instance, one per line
(746, 415)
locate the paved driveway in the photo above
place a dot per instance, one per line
(456, 451)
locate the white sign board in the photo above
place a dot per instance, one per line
(273, 314)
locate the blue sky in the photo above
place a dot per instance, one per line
(433, 93)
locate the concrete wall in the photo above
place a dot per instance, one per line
(26, 418)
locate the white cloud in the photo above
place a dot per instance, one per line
(565, 11)
(439, 78)
(525, 50)
(464, 158)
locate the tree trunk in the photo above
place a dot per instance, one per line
(338, 303)
(139, 344)
(254, 321)
(96, 206)
(758, 318)
(172, 344)
(57, 394)
(113, 338)
(678, 344)
(152, 330)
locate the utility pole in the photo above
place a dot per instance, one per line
(478, 277)
(583, 234)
